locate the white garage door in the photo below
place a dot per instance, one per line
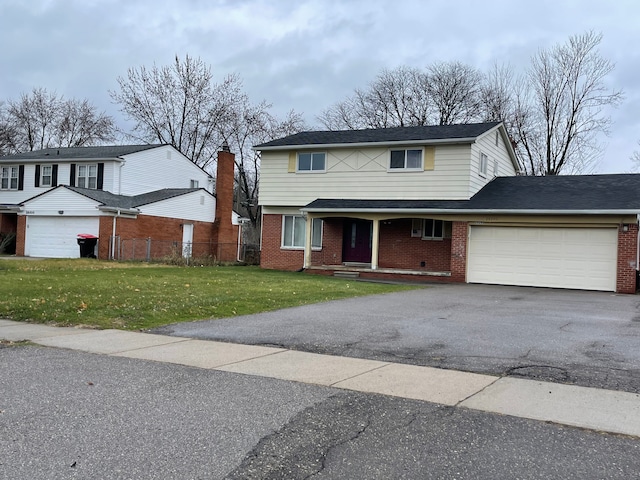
(582, 258)
(56, 237)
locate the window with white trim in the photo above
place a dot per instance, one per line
(46, 175)
(405, 159)
(9, 178)
(433, 229)
(194, 184)
(87, 176)
(312, 162)
(484, 164)
(293, 231)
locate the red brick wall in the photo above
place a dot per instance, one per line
(459, 235)
(398, 249)
(271, 255)
(162, 229)
(227, 232)
(8, 222)
(21, 235)
(627, 257)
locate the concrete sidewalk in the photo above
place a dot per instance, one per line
(601, 410)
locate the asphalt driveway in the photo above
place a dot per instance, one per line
(585, 338)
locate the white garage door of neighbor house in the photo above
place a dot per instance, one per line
(581, 258)
(56, 237)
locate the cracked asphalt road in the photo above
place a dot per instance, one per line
(578, 337)
(67, 414)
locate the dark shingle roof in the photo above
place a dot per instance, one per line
(383, 135)
(109, 199)
(571, 193)
(108, 151)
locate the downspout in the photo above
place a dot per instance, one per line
(239, 236)
(113, 236)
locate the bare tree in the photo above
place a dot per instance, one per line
(180, 105)
(395, 98)
(454, 88)
(45, 120)
(635, 159)
(251, 125)
(497, 94)
(560, 110)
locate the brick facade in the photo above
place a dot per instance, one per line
(21, 232)
(459, 236)
(627, 257)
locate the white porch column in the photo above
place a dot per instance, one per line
(375, 244)
(307, 241)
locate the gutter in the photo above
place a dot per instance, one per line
(467, 211)
(383, 144)
(119, 211)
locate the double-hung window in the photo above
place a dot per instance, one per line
(293, 231)
(312, 162)
(406, 159)
(433, 229)
(10, 175)
(87, 176)
(46, 175)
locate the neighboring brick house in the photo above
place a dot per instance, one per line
(116, 193)
(442, 203)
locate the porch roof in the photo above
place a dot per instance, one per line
(553, 195)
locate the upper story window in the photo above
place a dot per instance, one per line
(484, 164)
(46, 175)
(406, 159)
(87, 176)
(195, 184)
(293, 231)
(311, 162)
(10, 176)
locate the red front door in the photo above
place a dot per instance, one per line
(356, 243)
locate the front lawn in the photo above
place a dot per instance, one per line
(135, 296)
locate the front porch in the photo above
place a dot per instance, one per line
(365, 271)
(410, 249)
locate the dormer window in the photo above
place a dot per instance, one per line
(87, 176)
(311, 162)
(405, 159)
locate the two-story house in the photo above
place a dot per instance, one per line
(49, 197)
(442, 203)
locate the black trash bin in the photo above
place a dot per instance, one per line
(87, 243)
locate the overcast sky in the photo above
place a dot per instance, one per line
(306, 55)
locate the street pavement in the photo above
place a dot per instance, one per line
(114, 404)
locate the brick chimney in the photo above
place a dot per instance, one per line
(227, 232)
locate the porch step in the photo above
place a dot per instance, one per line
(346, 274)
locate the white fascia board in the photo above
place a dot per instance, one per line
(318, 146)
(467, 211)
(120, 211)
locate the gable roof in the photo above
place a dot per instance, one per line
(570, 194)
(124, 202)
(462, 133)
(76, 153)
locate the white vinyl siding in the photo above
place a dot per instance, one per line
(581, 258)
(154, 169)
(198, 206)
(364, 173)
(499, 163)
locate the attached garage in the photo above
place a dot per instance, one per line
(56, 237)
(562, 257)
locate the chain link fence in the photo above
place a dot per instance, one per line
(148, 249)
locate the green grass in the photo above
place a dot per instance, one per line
(135, 296)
